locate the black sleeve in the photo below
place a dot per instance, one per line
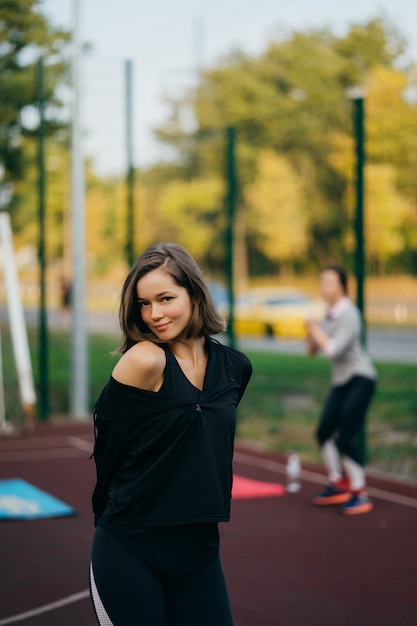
(109, 452)
(246, 374)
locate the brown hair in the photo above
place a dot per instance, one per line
(341, 274)
(180, 265)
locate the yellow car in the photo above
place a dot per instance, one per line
(275, 312)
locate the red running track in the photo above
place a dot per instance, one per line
(287, 563)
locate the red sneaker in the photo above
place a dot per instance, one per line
(358, 504)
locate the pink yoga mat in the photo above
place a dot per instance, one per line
(248, 488)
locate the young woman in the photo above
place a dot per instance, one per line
(353, 385)
(164, 427)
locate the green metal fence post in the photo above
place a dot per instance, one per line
(130, 226)
(231, 210)
(359, 116)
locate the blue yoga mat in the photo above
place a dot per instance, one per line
(21, 500)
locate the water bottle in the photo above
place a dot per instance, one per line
(293, 470)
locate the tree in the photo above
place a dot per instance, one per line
(189, 214)
(391, 133)
(386, 213)
(25, 36)
(292, 99)
(277, 210)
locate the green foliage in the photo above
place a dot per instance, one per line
(295, 153)
(292, 101)
(278, 209)
(378, 43)
(25, 36)
(189, 211)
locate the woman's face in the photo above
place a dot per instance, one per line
(330, 287)
(165, 307)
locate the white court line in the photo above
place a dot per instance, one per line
(80, 445)
(75, 597)
(314, 477)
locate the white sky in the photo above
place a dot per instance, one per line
(168, 40)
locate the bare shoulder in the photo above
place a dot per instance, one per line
(141, 366)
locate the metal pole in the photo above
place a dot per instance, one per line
(231, 210)
(359, 114)
(43, 332)
(130, 226)
(79, 345)
(17, 320)
(4, 427)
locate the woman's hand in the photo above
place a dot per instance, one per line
(316, 337)
(312, 346)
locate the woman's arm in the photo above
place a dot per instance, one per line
(317, 339)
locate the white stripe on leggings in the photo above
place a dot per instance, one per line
(103, 618)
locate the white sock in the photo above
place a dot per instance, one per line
(331, 460)
(355, 473)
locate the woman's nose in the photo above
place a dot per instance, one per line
(156, 312)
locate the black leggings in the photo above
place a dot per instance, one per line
(126, 591)
(344, 413)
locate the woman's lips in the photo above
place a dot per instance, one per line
(161, 327)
